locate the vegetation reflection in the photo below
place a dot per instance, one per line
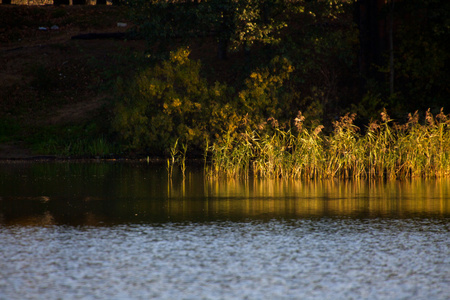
(118, 193)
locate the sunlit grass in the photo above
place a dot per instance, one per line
(385, 150)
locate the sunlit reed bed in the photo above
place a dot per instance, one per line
(385, 150)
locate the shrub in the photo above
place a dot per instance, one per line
(170, 102)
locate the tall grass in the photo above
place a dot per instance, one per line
(177, 157)
(385, 150)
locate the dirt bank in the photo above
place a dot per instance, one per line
(49, 79)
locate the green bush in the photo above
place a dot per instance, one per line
(172, 101)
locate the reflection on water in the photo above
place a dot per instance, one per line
(124, 231)
(118, 193)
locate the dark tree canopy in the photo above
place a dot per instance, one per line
(358, 55)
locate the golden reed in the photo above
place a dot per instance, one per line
(386, 150)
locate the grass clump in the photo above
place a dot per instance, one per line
(386, 150)
(73, 141)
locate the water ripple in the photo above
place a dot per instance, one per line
(326, 258)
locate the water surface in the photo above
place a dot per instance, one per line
(126, 231)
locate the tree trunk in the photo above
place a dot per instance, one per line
(391, 47)
(101, 2)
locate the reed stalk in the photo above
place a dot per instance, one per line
(385, 150)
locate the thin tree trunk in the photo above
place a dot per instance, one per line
(391, 47)
(224, 29)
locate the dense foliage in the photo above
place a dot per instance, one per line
(234, 24)
(168, 102)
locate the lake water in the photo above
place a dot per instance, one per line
(122, 230)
